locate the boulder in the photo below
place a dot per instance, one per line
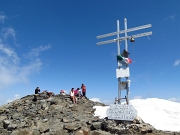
(99, 132)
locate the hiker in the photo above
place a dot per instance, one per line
(72, 96)
(44, 91)
(37, 90)
(62, 92)
(79, 92)
(83, 87)
(49, 94)
(76, 92)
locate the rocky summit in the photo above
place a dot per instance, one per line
(39, 114)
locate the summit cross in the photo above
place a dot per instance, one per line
(122, 72)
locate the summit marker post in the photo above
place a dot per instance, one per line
(123, 70)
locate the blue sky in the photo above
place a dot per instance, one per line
(52, 44)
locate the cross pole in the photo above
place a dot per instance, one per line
(118, 40)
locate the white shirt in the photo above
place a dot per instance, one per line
(72, 93)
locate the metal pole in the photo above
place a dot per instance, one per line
(126, 46)
(118, 42)
(118, 51)
(119, 91)
(125, 29)
(127, 92)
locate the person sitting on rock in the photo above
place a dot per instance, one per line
(37, 90)
(44, 91)
(62, 92)
(49, 94)
(72, 96)
(76, 92)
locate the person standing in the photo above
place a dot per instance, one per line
(83, 87)
(37, 90)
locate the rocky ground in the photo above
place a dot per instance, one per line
(57, 115)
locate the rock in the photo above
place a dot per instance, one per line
(19, 109)
(99, 132)
(59, 132)
(79, 132)
(65, 120)
(36, 132)
(57, 107)
(6, 123)
(96, 125)
(138, 120)
(2, 110)
(85, 130)
(22, 124)
(12, 126)
(58, 116)
(2, 118)
(71, 126)
(21, 132)
(43, 127)
(52, 101)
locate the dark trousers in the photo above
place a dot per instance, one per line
(84, 94)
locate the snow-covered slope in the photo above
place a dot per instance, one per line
(160, 113)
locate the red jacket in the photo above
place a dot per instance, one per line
(83, 88)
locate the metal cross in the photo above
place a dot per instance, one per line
(121, 72)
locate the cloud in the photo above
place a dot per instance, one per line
(8, 65)
(9, 33)
(95, 99)
(137, 97)
(171, 17)
(175, 99)
(17, 96)
(2, 17)
(26, 70)
(35, 52)
(9, 53)
(177, 62)
(108, 102)
(12, 70)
